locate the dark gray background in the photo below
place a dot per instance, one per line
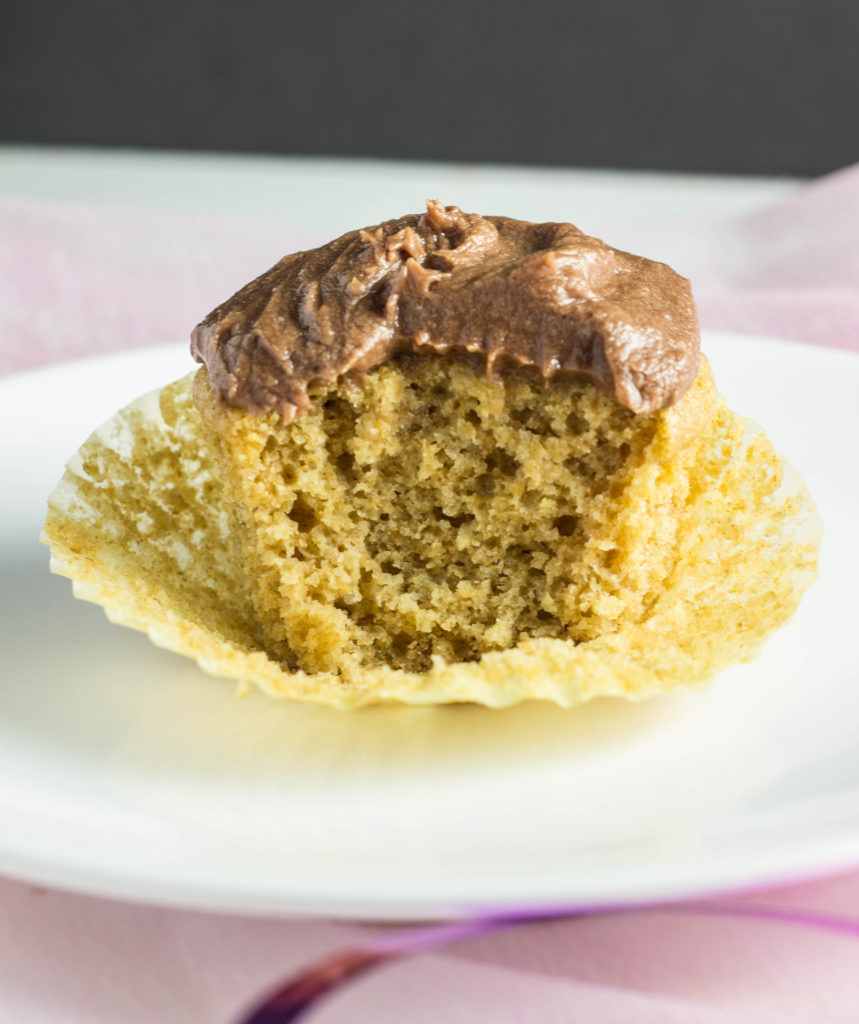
(758, 86)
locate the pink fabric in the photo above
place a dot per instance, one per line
(68, 959)
(76, 281)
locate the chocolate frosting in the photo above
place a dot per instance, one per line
(545, 297)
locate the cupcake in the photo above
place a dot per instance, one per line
(446, 458)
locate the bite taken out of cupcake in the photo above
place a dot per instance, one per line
(445, 458)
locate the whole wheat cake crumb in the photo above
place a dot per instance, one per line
(431, 512)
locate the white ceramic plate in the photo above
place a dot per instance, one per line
(125, 771)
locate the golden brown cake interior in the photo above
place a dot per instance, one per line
(431, 511)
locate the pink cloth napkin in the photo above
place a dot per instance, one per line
(77, 281)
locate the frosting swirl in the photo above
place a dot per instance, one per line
(543, 297)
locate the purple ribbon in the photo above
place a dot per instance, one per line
(304, 990)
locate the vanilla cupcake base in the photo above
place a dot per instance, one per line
(142, 524)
